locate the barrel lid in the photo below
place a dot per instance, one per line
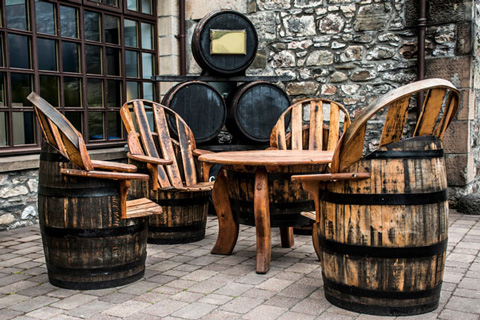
(225, 42)
(256, 107)
(200, 105)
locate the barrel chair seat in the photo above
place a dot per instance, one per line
(310, 124)
(382, 211)
(93, 237)
(178, 186)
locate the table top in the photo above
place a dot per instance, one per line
(269, 157)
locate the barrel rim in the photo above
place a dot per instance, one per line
(199, 55)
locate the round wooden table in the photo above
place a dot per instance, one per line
(263, 162)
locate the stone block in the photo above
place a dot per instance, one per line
(197, 9)
(302, 88)
(456, 69)
(465, 38)
(169, 65)
(460, 169)
(439, 11)
(167, 26)
(167, 8)
(168, 46)
(457, 137)
(371, 17)
(466, 108)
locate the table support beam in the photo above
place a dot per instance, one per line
(262, 221)
(227, 227)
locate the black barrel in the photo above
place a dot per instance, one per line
(200, 105)
(86, 243)
(254, 108)
(210, 29)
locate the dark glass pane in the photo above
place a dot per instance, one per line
(70, 57)
(21, 88)
(92, 25)
(95, 126)
(49, 89)
(1, 50)
(147, 65)
(69, 22)
(113, 62)
(96, 1)
(147, 36)
(71, 92)
(131, 64)
(19, 51)
(76, 118)
(148, 91)
(3, 129)
(113, 3)
(147, 6)
(93, 56)
(3, 97)
(114, 126)
(16, 12)
(132, 90)
(23, 128)
(47, 54)
(95, 93)
(130, 30)
(112, 29)
(45, 17)
(114, 94)
(132, 5)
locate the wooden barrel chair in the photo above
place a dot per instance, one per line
(156, 132)
(382, 212)
(93, 237)
(310, 124)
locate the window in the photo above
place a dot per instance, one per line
(85, 57)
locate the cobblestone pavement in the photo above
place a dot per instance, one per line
(187, 282)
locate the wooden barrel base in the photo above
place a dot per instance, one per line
(347, 303)
(94, 285)
(174, 235)
(305, 230)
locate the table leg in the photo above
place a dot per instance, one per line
(262, 221)
(286, 237)
(227, 227)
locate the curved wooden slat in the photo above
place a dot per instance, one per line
(352, 146)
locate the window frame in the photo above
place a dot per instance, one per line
(106, 109)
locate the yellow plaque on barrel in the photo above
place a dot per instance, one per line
(228, 41)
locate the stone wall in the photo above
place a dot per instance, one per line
(18, 199)
(353, 51)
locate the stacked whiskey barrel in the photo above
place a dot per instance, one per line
(224, 44)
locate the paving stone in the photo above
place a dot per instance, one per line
(241, 305)
(194, 310)
(451, 314)
(215, 299)
(258, 294)
(233, 289)
(274, 284)
(187, 296)
(127, 308)
(335, 316)
(295, 316)
(464, 304)
(470, 283)
(265, 313)
(7, 314)
(117, 297)
(311, 306)
(139, 287)
(45, 313)
(221, 315)
(164, 308)
(74, 301)
(37, 290)
(91, 309)
(298, 291)
(285, 302)
(32, 304)
(17, 287)
(199, 275)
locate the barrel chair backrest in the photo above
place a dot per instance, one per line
(439, 107)
(157, 141)
(60, 133)
(327, 122)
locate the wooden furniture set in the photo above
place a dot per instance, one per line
(380, 226)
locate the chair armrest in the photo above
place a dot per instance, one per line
(148, 159)
(114, 166)
(331, 176)
(104, 174)
(199, 152)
